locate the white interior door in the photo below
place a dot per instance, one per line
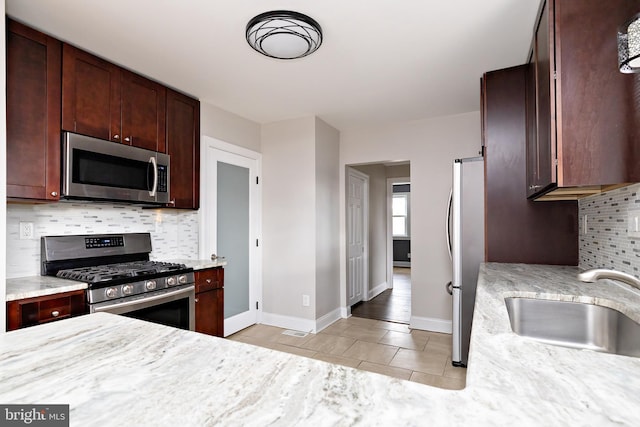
(357, 213)
(230, 229)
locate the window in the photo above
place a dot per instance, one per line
(400, 215)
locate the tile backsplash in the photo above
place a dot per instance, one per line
(174, 233)
(606, 243)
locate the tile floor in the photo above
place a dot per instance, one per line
(372, 345)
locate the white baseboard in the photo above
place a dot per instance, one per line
(345, 312)
(328, 319)
(289, 322)
(402, 263)
(430, 324)
(300, 324)
(377, 290)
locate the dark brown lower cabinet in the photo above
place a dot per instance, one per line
(210, 301)
(518, 230)
(34, 311)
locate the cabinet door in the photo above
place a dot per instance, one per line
(143, 112)
(33, 114)
(518, 230)
(544, 161)
(183, 145)
(209, 312)
(48, 308)
(90, 95)
(531, 127)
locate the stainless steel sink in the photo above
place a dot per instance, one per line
(576, 325)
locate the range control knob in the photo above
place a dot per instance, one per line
(127, 289)
(171, 281)
(111, 292)
(150, 285)
(182, 279)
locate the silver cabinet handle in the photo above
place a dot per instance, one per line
(208, 280)
(128, 138)
(534, 187)
(55, 313)
(116, 136)
(449, 287)
(54, 193)
(196, 299)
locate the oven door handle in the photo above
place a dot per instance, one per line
(145, 301)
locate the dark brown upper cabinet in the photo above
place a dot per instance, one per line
(585, 111)
(518, 230)
(33, 114)
(102, 100)
(183, 145)
(143, 112)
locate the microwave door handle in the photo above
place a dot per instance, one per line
(154, 164)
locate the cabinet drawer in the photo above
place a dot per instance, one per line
(54, 309)
(209, 279)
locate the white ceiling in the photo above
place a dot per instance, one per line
(380, 61)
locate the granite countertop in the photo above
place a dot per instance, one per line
(37, 286)
(106, 367)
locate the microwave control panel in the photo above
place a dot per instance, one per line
(162, 179)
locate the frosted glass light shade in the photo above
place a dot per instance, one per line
(284, 34)
(629, 46)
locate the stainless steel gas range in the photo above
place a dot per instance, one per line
(121, 279)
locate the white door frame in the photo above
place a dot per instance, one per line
(208, 215)
(365, 234)
(390, 182)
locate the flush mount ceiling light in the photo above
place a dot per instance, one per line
(629, 46)
(284, 34)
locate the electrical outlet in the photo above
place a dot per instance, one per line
(305, 300)
(633, 224)
(26, 230)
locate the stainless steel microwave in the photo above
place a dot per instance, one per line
(94, 169)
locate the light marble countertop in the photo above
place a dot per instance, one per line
(37, 286)
(200, 264)
(113, 370)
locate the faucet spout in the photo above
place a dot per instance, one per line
(603, 273)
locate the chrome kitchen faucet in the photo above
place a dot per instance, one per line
(603, 273)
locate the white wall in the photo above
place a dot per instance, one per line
(431, 146)
(3, 174)
(327, 291)
(288, 218)
(228, 127)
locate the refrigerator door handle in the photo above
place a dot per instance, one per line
(448, 224)
(449, 287)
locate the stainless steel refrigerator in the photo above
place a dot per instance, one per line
(465, 236)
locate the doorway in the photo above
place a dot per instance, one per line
(388, 288)
(230, 219)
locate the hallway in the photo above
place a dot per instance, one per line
(392, 305)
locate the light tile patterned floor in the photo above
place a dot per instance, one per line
(372, 345)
